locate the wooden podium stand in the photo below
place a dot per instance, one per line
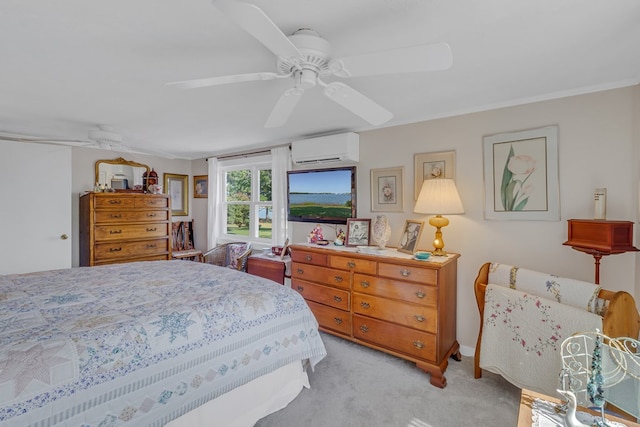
(600, 238)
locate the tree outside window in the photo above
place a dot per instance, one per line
(248, 202)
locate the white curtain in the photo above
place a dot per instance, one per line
(216, 193)
(280, 164)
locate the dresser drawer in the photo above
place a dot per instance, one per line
(106, 251)
(397, 338)
(414, 316)
(130, 231)
(151, 202)
(110, 216)
(396, 289)
(308, 257)
(325, 275)
(403, 272)
(327, 295)
(107, 201)
(331, 318)
(354, 264)
(124, 260)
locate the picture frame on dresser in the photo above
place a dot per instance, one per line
(175, 185)
(411, 233)
(358, 232)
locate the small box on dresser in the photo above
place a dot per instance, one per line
(124, 227)
(391, 303)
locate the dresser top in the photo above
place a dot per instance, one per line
(373, 253)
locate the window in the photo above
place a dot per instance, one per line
(247, 205)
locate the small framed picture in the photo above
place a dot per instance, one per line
(410, 236)
(358, 232)
(200, 186)
(386, 189)
(441, 164)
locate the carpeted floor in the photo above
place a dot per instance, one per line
(356, 386)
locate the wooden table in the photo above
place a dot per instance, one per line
(273, 268)
(527, 398)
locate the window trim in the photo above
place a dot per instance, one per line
(255, 164)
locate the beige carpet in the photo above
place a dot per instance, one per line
(355, 386)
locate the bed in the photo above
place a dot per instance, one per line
(150, 344)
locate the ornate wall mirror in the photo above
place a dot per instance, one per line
(120, 174)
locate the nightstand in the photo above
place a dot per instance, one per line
(273, 268)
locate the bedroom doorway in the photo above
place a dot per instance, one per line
(36, 207)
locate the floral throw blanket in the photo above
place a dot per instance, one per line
(140, 344)
(524, 329)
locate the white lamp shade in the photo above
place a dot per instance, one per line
(439, 196)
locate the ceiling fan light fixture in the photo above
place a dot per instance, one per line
(306, 78)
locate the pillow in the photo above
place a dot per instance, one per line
(234, 251)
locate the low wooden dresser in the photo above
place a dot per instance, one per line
(124, 227)
(389, 301)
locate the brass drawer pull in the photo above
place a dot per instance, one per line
(115, 249)
(300, 271)
(115, 231)
(351, 264)
(152, 245)
(152, 229)
(308, 257)
(419, 318)
(336, 298)
(364, 284)
(115, 202)
(338, 278)
(420, 294)
(365, 304)
(151, 215)
(418, 344)
(337, 320)
(364, 328)
(300, 288)
(116, 216)
(405, 273)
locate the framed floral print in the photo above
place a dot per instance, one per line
(441, 164)
(521, 175)
(387, 189)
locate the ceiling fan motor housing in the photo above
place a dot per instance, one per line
(315, 61)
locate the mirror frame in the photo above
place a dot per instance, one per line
(119, 161)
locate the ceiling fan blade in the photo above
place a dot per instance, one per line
(66, 142)
(254, 21)
(223, 80)
(357, 103)
(409, 59)
(284, 107)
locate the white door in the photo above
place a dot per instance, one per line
(35, 208)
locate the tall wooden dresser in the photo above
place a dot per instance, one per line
(388, 302)
(124, 227)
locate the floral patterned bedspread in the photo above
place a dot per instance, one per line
(140, 343)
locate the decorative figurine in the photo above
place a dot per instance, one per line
(340, 236)
(570, 419)
(316, 234)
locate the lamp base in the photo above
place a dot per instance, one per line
(438, 221)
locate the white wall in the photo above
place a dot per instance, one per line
(597, 140)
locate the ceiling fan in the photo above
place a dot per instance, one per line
(104, 137)
(305, 57)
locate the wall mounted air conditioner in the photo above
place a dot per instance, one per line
(338, 148)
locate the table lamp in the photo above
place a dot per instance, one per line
(439, 196)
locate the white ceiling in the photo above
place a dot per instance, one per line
(67, 66)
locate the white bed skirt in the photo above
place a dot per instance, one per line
(270, 393)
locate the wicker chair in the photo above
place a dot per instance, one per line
(232, 255)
